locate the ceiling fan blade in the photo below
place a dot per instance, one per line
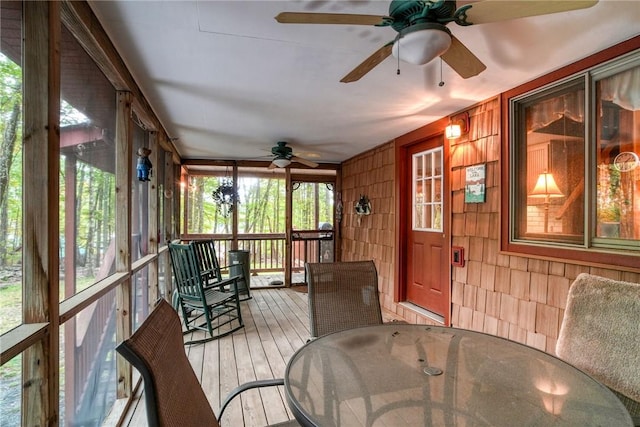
(500, 10)
(329, 18)
(462, 60)
(368, 64)
(305, 162)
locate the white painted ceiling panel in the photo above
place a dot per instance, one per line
(228, 81)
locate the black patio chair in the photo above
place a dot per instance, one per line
(210, 307)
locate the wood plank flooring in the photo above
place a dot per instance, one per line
(276, 325)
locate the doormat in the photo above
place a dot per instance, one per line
(299, 288)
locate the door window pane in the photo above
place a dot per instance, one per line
(427, 190)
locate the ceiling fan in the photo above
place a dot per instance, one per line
(283, 156)
(422, 28)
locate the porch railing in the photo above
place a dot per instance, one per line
(267, 251)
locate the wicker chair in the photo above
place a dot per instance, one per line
(342, 295)
(600, 335)
(173, 395)
(210, 307)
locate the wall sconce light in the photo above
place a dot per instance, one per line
(458, 126)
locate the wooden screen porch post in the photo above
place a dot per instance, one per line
(41, 162)
(123, 234)
(152, 226)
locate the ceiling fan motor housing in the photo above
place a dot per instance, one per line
(282, 151)
(409, 12)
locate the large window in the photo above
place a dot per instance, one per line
(10, 173)
(312, 206)
(209, 204)
(87, 166)
(10, 201)
(575, 167)
(140, 192)
(262, 200)
(63, 338)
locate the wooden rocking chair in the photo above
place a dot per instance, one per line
(210, 307)
(212, 271)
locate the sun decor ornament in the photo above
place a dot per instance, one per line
(225, 197)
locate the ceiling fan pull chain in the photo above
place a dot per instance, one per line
(441, 81)
(398, 70)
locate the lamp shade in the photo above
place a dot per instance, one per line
(420, 43)
(281, 162)
(546, 187)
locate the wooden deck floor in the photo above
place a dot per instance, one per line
(276, 325)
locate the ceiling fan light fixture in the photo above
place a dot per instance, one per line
(421, 43)
(281, 162)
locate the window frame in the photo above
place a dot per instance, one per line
(592, 251)
(516, 106)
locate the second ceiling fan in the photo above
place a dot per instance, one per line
(422, 28)
(283, 156)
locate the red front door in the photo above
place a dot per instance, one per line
(428, 265)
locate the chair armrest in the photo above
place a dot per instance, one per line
(248, 386)
(228, 267)
(222, 283)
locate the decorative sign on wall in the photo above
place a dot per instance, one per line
(475, 186)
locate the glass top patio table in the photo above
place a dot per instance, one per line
(399, 374)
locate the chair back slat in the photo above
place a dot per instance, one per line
(342, 295)
(207, 259)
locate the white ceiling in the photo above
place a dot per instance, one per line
(228, 81)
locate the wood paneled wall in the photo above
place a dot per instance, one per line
(517, 297)
(371, 174)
